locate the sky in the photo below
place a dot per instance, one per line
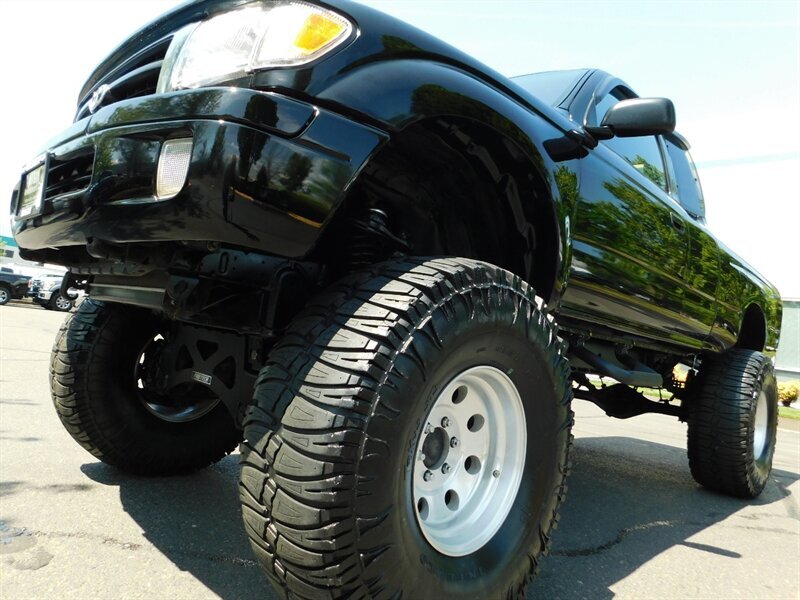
(732, 69)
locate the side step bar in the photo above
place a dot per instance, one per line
(641, 376)
(623, 402)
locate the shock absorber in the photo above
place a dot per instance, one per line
(371, 241)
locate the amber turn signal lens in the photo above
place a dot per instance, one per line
(317, 32)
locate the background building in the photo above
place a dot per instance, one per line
(787, 361)
(9, 257)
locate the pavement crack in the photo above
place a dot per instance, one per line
(86, 536)
(621, 535)
(217, 558)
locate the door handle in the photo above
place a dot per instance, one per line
(677, 222)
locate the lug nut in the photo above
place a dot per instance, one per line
(421, 456)
(454, 442)
(496, 473)
(428, 428)
(427, 475)
(445, 422)
(445, 468)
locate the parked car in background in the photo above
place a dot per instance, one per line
(12, 285)
(44, 281)
(46, 292)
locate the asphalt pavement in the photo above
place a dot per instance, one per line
(635, 525)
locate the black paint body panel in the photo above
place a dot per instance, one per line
(244, 144)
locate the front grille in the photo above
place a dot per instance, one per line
(69, 175)
(37, 285)
(136, 77)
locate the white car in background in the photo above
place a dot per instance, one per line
(45, 290)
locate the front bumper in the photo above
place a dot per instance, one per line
(266, 173)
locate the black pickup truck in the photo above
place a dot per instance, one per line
(314, 230)
(12, 285)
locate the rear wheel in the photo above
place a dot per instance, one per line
(409, 437)
(107, 371)
(733, 422)
(5, 295)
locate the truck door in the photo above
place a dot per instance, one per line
(630, 241)
(702, 268)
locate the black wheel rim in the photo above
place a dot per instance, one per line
(181, 403)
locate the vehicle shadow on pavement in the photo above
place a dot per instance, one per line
(629, 500)
(196, 522)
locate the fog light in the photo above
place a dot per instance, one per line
(173, 165)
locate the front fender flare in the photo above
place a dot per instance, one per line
(397, 94)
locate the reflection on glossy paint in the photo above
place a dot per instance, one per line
(632, 262)
(270, 111)
(245, 186)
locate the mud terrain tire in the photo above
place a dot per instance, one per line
(94, 392)
(331, 442)
(733, 420)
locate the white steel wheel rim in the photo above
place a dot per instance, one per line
(761, 426)
(463, 494)
(62, 302)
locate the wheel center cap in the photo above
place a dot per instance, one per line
(435, 447)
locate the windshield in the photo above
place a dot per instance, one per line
(551, 86)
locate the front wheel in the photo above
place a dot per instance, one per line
(409, 438)
(733, 422)
(106, 367)
(5, 295)
(60, 302)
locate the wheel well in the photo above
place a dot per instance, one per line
(753, 332)
(459, 188)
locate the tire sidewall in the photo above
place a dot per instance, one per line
(760, 466)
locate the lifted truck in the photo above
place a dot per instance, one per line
(314, 230)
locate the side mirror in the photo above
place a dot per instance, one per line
(637, 117)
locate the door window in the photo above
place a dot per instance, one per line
(642, 153)
(687, 184)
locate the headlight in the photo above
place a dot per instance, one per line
(268, 34)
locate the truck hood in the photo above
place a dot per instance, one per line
(380, 38)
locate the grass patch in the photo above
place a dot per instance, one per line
(789, 413)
